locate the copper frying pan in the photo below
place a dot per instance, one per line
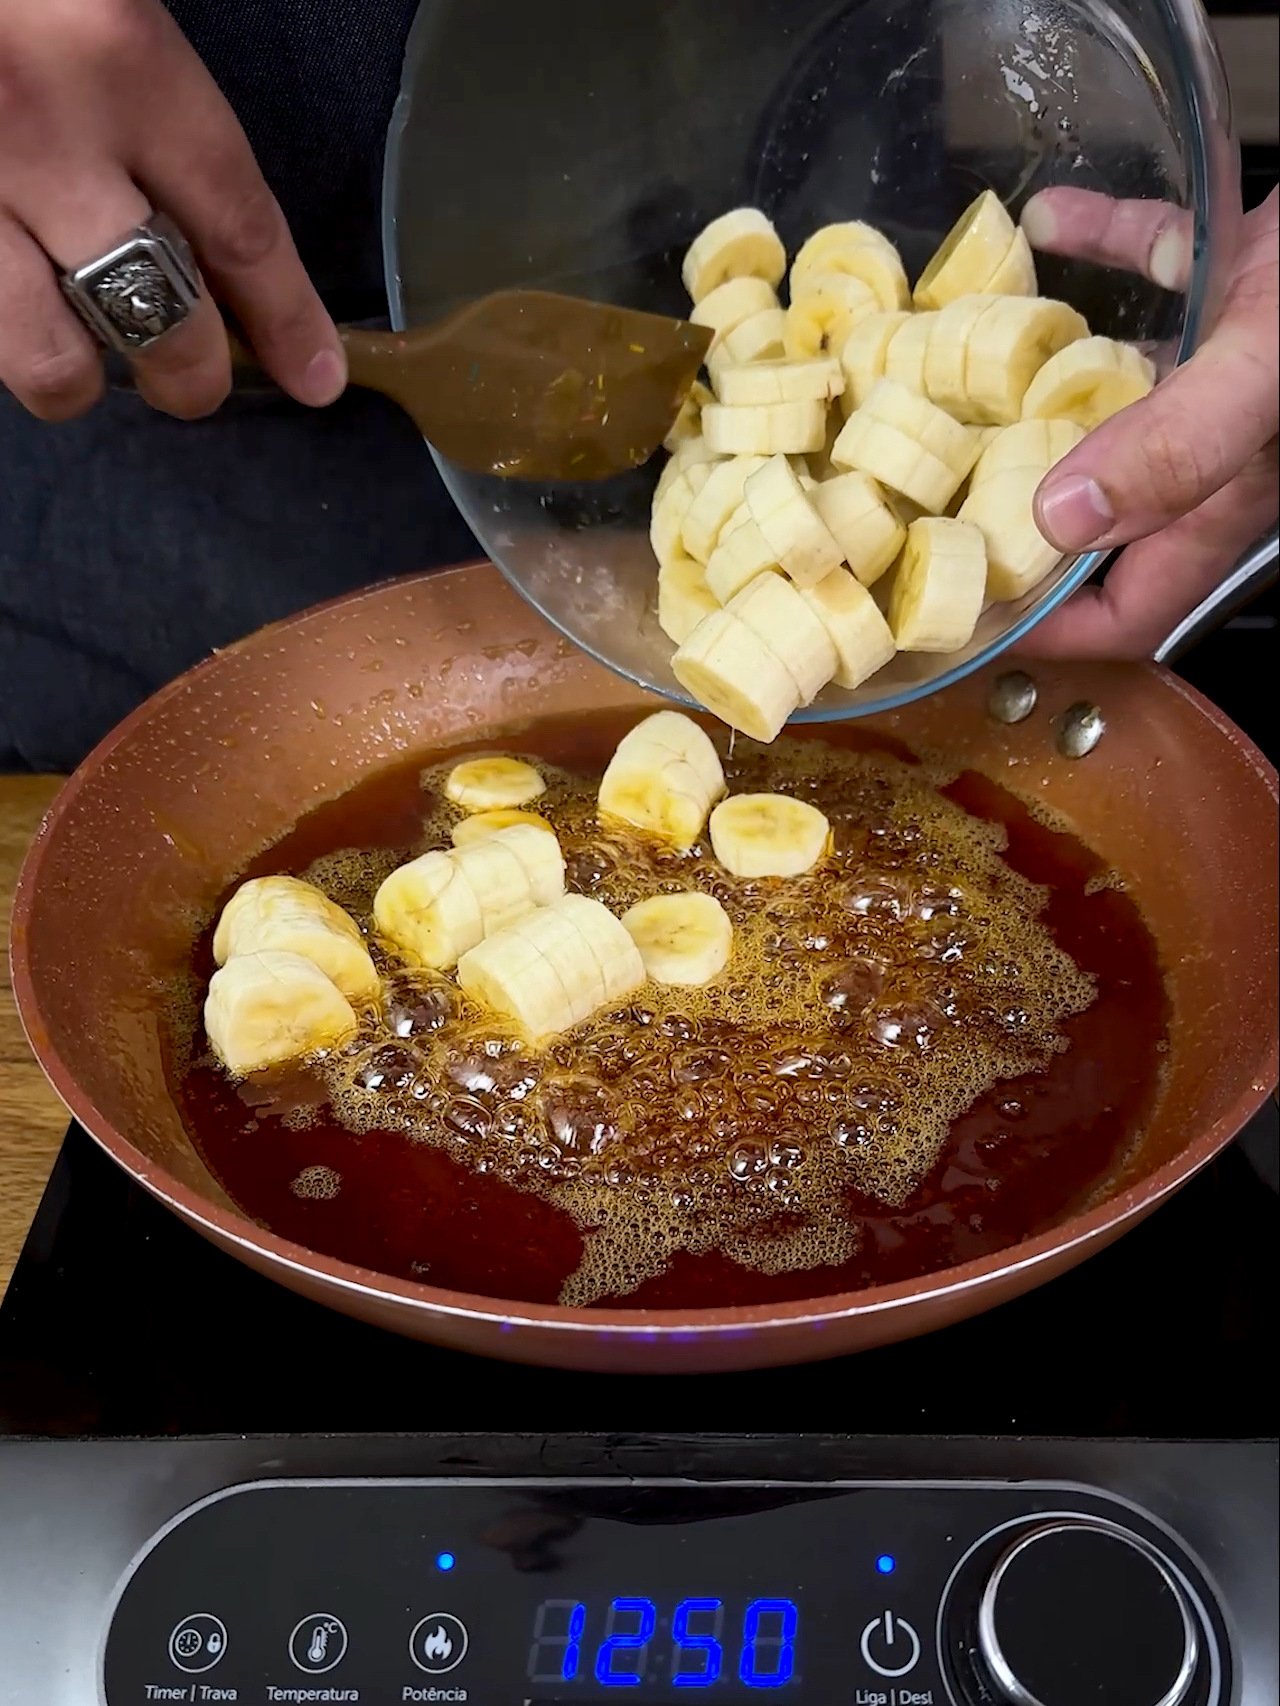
(152, 826)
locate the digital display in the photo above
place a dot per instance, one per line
(694, 1643)
(557, 1594)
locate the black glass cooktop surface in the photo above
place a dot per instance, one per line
(121, 1321)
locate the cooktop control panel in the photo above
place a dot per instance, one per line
(546, 1593)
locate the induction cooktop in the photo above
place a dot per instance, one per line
(213, 1490)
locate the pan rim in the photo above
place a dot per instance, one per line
(614, 1323)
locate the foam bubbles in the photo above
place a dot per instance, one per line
(867, 1004)
(317, 1184)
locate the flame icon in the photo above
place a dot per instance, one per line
(437, 1644)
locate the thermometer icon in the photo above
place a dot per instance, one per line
(318, 1642)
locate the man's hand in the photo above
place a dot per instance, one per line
(1189, 473)
(107, 114)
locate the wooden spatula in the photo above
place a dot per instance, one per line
(533, 386)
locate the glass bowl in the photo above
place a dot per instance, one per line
(580, 147)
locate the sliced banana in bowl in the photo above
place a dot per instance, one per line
(837, 420)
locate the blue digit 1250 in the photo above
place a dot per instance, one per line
(629, 1653)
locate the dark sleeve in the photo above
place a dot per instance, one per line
(132, 544)
(314, 82)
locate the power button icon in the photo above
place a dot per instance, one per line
(890, 1646)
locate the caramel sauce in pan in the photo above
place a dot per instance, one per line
(792, 1134)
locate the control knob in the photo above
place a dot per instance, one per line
(1080, 1610)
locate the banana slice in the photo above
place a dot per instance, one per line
(269, 1008)
(1008, 346)
(864, 354)
(546, 971)
(543, 992)
(938, 586)
(1018, 554)
(740, 556)
(616, 954)
(788, 429)
(498, 880)
(857, 628)
(818, 462)
(781, 620)
(664, 777)
(908, 351)
(557, 938)
(862, 523)
(1087, 382)
(735, 675)
(1025, 444)
(686, 740)
(764, 382)
(686, 454)
(492, 784)
(440, 905)
(790, 525)
(859, 250)
(540, 856)
(823, 318)
(969, 255)
(671, 506)
(887, 454)
(947, 354)
(741, 244)
(931, 427)
(721, 493)
(758, 339)
(683, 939)
(684, 597)
(768, 835)
(482, 825)
(986, 438)
(732, 302)
(429, 911)
(687, 422)
(513, 977)
(1016, 274)
(286, 915)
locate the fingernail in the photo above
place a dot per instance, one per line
(324, 380)
(1038, 224)
(1169, 262)
(1073, 512)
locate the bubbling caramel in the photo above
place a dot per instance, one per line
(866, 1005)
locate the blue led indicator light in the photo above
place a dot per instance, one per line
(445, 1561)
(885, 1564)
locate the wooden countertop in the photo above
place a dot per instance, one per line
(32, 1119)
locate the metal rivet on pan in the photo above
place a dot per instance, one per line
(1079, 729)
(1013, 697)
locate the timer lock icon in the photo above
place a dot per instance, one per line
(198, 1643)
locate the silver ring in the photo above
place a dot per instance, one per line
(140, 289)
